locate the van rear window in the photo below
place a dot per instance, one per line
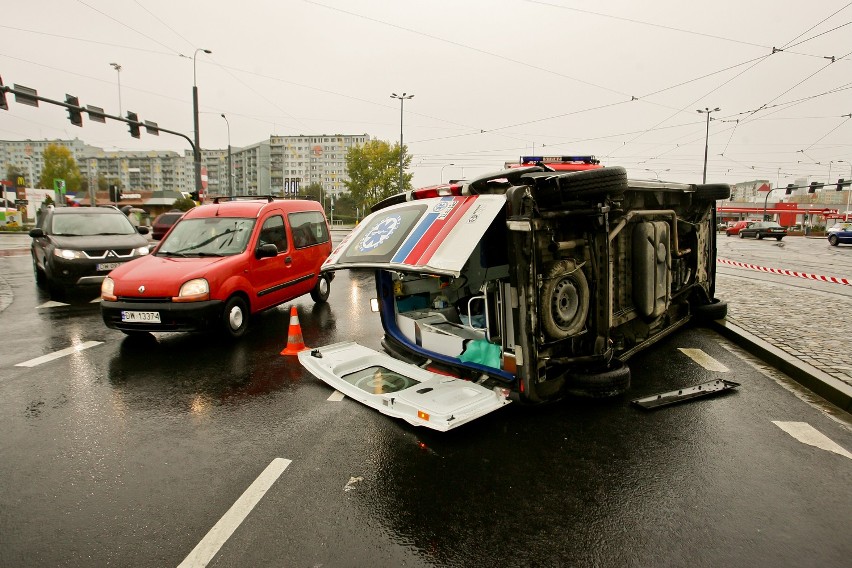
(309, 228)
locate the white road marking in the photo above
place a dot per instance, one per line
(205, 550)
(807, 434)
(58, 354)
(336, 396)
(52, 304)
(704, 360)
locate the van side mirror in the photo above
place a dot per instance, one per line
(266, 251)
(142, 230)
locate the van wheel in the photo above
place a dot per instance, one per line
(564, 299)
(235, 317)
(605, 382)
(715, 310)
(322, 289)
(593, 183)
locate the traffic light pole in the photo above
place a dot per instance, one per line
(30, 97)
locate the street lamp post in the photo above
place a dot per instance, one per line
(402, 98)
(442, 171)
(707, 111)
(117, 68)
(230, 175)
(197, 157)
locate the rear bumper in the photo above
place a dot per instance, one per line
(190, 316)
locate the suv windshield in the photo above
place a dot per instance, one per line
(216, 236)
(88, 224)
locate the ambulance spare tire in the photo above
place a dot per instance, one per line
(605, 382)
(564, 299)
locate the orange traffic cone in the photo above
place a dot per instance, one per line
(295, 343)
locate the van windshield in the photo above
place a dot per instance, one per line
(214, 236)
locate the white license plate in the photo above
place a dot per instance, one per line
(140, 317)
(108, 266)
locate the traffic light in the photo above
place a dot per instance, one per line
(134, 124)
(790, 189)
(74, 114)
(840, 184)
(813, 187)
(114, 193)
(194, 195)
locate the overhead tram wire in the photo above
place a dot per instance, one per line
(86, 40)
(131, 28)
(814, 26)
(846, 116)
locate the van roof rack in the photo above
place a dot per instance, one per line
(221, 198)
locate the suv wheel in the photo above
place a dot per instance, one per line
(235, 317)
(322, 289)
(564, 299)
(609, 381)
(40, 278)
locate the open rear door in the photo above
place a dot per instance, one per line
(401, 390)
(434, 236)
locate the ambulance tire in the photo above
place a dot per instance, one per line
(586, 184)
(715, 310)
(564, 299)
(712, 191)
(611, 381)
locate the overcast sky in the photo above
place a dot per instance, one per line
(492, 79)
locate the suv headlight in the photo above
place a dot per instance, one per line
(68, 254)
(195, 290)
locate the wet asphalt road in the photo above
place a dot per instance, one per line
(129, 453)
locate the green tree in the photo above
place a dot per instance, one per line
(60, 164)
(373, 171)
(311, 191)
(344, 208)
(183, 204)
(103, 184)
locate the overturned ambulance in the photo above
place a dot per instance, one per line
(530, 284)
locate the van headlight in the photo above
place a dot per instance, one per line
(141, 251)
(67, 254)
(195, 290)
(108, 289)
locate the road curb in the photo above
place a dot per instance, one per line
(821, 383)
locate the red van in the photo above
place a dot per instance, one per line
(220, 264)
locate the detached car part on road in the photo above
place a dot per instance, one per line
(525, 285)
(221, 263)
(76, 247)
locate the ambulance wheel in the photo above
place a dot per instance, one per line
(322, 289)
(594, 183)
(712, 191)
(715, 310)
(612, 380)
(564, 299)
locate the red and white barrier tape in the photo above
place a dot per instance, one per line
(832, 279)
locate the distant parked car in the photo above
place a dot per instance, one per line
(840, 233)
(762, 229)
(737, 227)
(163, 223)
